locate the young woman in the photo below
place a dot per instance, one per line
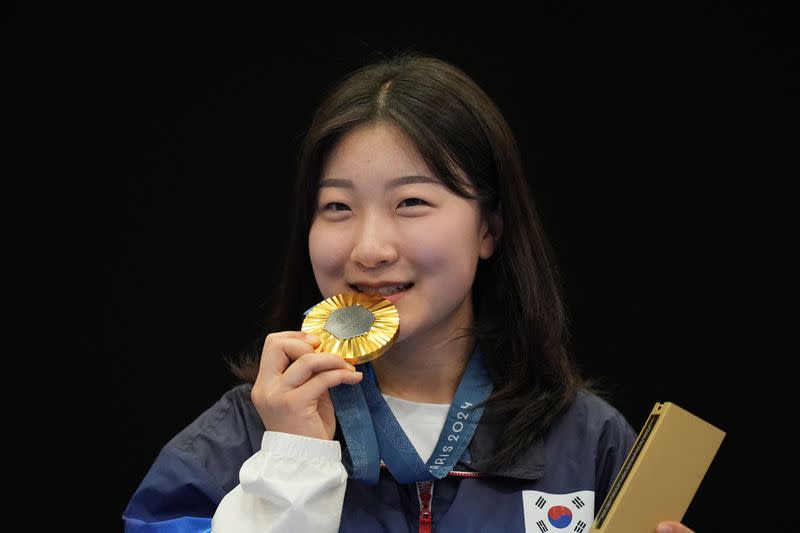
(410, 186)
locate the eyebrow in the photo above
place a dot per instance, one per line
(397, 182)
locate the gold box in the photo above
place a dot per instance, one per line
(662, 472)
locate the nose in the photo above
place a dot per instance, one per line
(374, 245)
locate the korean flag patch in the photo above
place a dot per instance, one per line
(548, 513)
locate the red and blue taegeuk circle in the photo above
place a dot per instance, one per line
(559, 516)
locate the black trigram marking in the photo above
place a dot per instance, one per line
(542, 526)
(577, 502)
(580, 526)
(540, 502)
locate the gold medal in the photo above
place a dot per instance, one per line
(357, 326)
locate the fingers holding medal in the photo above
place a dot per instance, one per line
(298, 367)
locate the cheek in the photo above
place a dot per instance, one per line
(327, 253)
(449, 256)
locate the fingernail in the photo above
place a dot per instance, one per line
(664, 528)
(312, 339)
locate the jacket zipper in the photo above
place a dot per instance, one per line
(425, 495)
(454, 473)
(459, 473)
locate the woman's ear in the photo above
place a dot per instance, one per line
(492, 230)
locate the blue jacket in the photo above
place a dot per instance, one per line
(559, 481)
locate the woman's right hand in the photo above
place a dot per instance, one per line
(291, 390)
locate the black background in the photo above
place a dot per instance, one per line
(658, 141)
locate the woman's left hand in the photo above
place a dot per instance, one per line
(672, 527)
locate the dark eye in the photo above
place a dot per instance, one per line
(411, 202)
(336, 206)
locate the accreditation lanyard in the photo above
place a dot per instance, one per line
(372, 432)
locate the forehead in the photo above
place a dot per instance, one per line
(376, 151)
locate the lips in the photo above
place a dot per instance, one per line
(383, 289)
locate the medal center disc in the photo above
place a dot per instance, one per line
(349, 322)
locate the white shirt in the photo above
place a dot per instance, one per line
(421, 422)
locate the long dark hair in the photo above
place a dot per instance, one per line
(520, 320)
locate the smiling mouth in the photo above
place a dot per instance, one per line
(383, 291)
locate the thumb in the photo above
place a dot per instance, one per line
(672, 527)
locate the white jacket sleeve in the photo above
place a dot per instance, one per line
(293, 483)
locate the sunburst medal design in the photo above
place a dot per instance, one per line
(358, 327)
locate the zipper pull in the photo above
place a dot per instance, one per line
(425, 495)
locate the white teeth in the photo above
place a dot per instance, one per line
(383, 291)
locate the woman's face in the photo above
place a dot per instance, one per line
(384, 224)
